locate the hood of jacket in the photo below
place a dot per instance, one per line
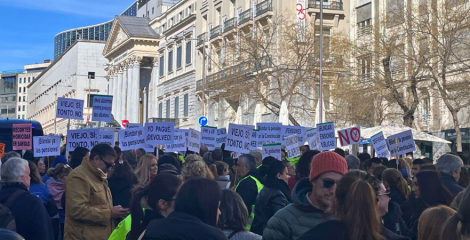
(222, 179)
(299, 195)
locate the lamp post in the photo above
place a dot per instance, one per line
(321, 63)
(55, 118)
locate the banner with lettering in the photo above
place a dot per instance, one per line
(102, 106)
(22, 136)
(238, 138)
(86, 138)
(131, 139)
(107, 137)
(46, 146)
(194, 140)
(69, 108)
(326, 131)
(159, 133)
(208, 137)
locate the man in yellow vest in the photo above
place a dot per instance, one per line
(258, 155)
(249, 185)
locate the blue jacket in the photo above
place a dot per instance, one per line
(41, 191)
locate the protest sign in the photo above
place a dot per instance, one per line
(131, 139)
(69, 108)
(380, 146)
(221, 136)
(314, 140)
(159, 133)
(2, 149)
(106, 137)
(179, 143)
(22, 136)
(401, 143)
(102, 106)
(326, 132)
(186, 134)
(349, 136)
(86, 138)
(309, 133)
(273, 150)
(254, 140)
(194, 140)
(46, 146)
(269, 132)
(289, 130)
(238, 138)
(133, 125)
(148, 148)
(292, 146)
(208, 137)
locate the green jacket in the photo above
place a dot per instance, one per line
(120, 232)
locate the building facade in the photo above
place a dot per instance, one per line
(8, 93)
(24, 79)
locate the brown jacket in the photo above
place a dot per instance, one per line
(88, 204)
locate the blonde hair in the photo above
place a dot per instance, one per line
(431, 222)
(195, 167)
(143, 170)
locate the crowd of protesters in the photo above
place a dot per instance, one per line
(104, 193)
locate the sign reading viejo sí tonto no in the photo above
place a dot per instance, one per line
(86, 138)
(69, 108)
(238, 138)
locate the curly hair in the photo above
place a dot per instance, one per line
(196, 167)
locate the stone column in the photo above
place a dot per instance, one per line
(130, 86)
(124, 93)
(144, 103)
(136, 90)
(153, 106)
(115, 96)
(119, 102)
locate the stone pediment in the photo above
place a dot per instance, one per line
(116, 37)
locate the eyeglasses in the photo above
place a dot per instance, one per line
(328, 182)
(108, 165)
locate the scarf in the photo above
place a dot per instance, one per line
(278, 184)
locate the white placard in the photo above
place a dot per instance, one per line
(102, 106)
(208, 137)
(401, 143)
(86, 138)
(69, 108)
(269, 132)
(380, 146)
(221, 136)
(131, 139)
(159, 133)
(326, 132)
(46, 146)
(292, 146)
(238, 138)
(309, 132)
(148, 148)
(194, 140)
(289, 130)
(349, 136)
(273, 150)
(314, 140)
(133, 125)
(186, 134)
(106, 137)
(254, 140)
(179, 143)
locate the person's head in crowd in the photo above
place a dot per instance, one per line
(246, 163)
(168, 159)
(60, 172)
(340, 152)
(258, 155)
(102, 157)
(363, 156)
(122, 170)
(59, 159)
(393, 179)
(8, 155)
(263, 169)
(428, 168)
(29, 156)
(173, 154)
(202, 150)
(403, 164)
(161, 152)
(15, 170)
(465, 158)
(69, 157)
(118, 152)
(200, 197)
(464, 179)
(48, 161)
(116, 144)
(371, 164)
(207, 158)
(353, 162)
(235, 166)
(409, 155)
(327, 168)
(277, 170)
(41, 167)
(147, 169)
(304, 149)
(283, 154)
(139, 153)
(431, 222)
(34, 173)
(217, 155)
(196, 167)
(378, 172)
(130, 157)
(428, 187)
(78, 154)
(303, 165)
(159, 195)
(233, 212)
(417, 163)
(384, 161)
(450, 164)
(457, 227)
(219, 168)
(290, 168)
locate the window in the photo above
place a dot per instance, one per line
(18, 116)
(19, 108)
(33, 78)
(20, 80)
(19, 89)
(186, 107)
(24, 108)
(148, 13)
(170, 61)
(22, 116)
(9, 84)
(24, 98)
(160, 110)
(162, 63)
(153, 10)
(364, 64)
(29, 79)
(178, 57)
(326, 43)
(177, 106)
(168, 108)
(395, 12)
(19, 99)
(24, 89)
(188, 52)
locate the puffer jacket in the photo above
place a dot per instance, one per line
(223, 182)
(295, 219)
(88, 204)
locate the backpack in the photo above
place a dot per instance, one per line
(7, 220)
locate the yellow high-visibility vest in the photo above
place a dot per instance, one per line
(252, 215)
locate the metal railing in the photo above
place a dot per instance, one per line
(326, 5)
(215, 32)
(264, 7)
(246, 16)
(230, 24)
(201, 38)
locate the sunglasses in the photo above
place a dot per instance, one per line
(328, 182)
(108, 165)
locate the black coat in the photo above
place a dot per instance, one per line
(32, 220)
(248, 189)
(449, 182)
(273, 197)
(393, 220)
(121, 191)
(181, 226)
(336, 230)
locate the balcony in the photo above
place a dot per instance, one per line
(326, 5)
(230, 24)
(201, 38)
(245, 16)
(264, 7)
(215, 32)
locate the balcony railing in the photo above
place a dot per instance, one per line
(326, 5)
(216, 31)
(230, 24)
(246, 16)
(264, 7)
(201, 38)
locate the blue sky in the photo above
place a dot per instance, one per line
(28, 27)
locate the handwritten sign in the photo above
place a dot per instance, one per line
(326, 132)
(22, 136)
(380, 146)
(159, 133)
(221, 136)
(86, 138)
(238, 138)
(269, 132)
(208, 137)
(106, 137)
(401, 143)
(273, 150)
(2, 149)
(46, 146)
(292, 146)
(289, 130)
(102, 106)
(133, 125)
(179, 143)
(349, 136)
(69, 108)
(131, 139)
(194, 143)
(254, 140)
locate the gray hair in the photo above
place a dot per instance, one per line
(13, 169)
(256, 154)
(353, 161)
(248, 160)
(9, 155)
(448, 163)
